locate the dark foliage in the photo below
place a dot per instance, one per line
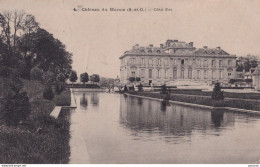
(59, 88)
(48, 93)
(36, 74)
(131, 79)
(140, 87)
(217, 94)
(125, 89)
(84, 77)
(15, 106)
(163, 89)
(73, 76)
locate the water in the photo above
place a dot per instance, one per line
(114, 128)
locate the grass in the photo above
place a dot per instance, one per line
(206, 100)
(254, 96)
(42, 139)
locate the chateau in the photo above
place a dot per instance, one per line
(177, 61)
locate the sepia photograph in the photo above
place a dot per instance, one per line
(129, 82)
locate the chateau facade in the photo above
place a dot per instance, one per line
(177, 61)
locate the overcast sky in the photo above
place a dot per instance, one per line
(97, 39)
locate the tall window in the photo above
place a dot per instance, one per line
(205, 63)
(174, 73)
(220, 74)
(166, 63)
(205, 74)
(150, 73)
(160, 62)
(199, 62)
(229, 74)
(213, 74)
(158, 73)
(220, 63)
(142, 61)
(198, 74)
(213, 63)
(229, 63)
(182, 74)
(150, 62)
(182, 62)
(133, 72)
(142, 73)
(174, 62)
(166, 73)
(190, 62)
(133, 60)
(190, 74)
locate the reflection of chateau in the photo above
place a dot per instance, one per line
(177, 61)
(146, 115)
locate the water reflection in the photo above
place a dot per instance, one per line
(83, 101)
(217, 117)
(147, 116)
(94, 98)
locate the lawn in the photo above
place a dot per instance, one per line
(41, 139)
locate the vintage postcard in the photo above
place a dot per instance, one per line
(129, 82)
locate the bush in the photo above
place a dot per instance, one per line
(131, 79)
(217, 94)
(5, 71)
(59, 88)
(36, 73)
(125, 89)
(60, 77)
(163, 89)
(15, 106)
(48, 93)
(73, 76)
(48, 77)
(140, 87)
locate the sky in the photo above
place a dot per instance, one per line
(98, 39)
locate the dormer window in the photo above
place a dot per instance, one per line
(158, 51)
(149, 51)
(205, 52)
(142, 51)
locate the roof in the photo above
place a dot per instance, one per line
(211, 51)
(150, 49)
(257, 71)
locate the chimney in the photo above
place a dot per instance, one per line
(191, 44)
(151, 45)
(135, 46)
(175, 40)
(219, 47)
(161, 46)
(205, 47)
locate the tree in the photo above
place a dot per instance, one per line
(137, 79)
(125, 89)
(15, 106)
(246, 63)
(73, 76)
(60, 78)
(36, 74)
(140, 87)
(84, 77)
(217, 94)
(48, 93)
(94, 78)
(48, 77)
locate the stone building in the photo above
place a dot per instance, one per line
(177, 61)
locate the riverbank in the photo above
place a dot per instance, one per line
(41, 139)
(205, 100)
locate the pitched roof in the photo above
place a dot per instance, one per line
(211, 51)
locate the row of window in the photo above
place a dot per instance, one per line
(164, 73)
(160, 62)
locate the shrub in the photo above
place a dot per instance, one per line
(217, 94)
(140, 87)
(138, 79)
(73, 76)
(36, 73)
(163, 89)
(59, 88)
(125, 89)
(5, 71)
(60, 77)
(48, 93)
(131, 79)
(15, 106)
(48, 77)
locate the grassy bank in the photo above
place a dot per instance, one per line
(41, 139)
(205, 100)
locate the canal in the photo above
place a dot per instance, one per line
(114, 128)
